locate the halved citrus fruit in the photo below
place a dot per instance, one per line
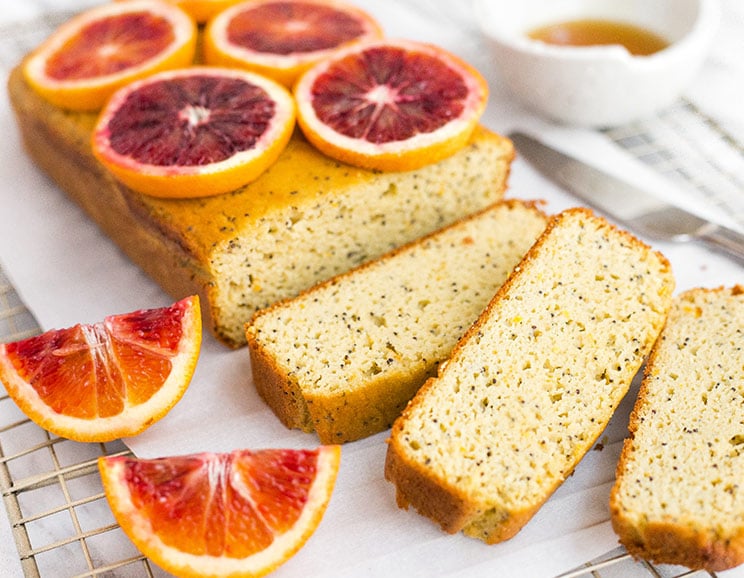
(203, 10)
(92, 55)
(282, 38)
(107, 380)
(194, 132)
(390, 104)
(234, 514)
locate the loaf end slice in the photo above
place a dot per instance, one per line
(533, 382)
(345, 357)
(678, 495)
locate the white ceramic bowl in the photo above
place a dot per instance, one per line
(598, 86)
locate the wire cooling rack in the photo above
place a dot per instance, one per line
(51, 489)
(705, 159)
(59, 514)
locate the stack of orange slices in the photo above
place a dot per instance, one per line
(358, 97)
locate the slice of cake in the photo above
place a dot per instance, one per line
(533, 382)
(345, 357)
(678, 496)
(304, 220)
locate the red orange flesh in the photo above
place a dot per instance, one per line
(241, 513)
(106, 380)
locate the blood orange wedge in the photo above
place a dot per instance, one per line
(194, 132)
(390, 105)
(235, 514)
(282, 38)
(86, 59)
(107, 380)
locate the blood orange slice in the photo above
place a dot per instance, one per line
(282, 38)
(86, 59)
(107, 380)
(194, 132)
(390, 105)
(236, 514)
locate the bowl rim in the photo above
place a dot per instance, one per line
(701, 32)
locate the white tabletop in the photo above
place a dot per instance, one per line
(67, 272)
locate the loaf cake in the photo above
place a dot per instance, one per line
(304, 220)
(533, 382)
(678, 494)
(345, 357)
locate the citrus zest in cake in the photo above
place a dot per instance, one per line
(102, 49)
(112, 379)
(235, 514)
(194, 132)
(390, 104)
(283, 38)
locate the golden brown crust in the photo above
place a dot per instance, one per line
(670, 542)
(509, 525)
(278, 389)
(431, 497)
(365, 411)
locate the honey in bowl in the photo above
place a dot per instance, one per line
(637, 40)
